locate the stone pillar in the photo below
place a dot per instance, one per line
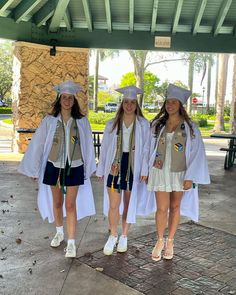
(35, 73)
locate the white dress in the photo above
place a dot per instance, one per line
(164, 180)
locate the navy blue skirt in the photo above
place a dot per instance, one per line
(123, 174)
(75, 177)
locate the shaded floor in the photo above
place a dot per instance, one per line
(205, 254)
(204, 263)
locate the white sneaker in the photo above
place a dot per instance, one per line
(70, 251)
(122, 245)
(56, 241)
(110, 245)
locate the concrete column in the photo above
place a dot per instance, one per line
(35, 72)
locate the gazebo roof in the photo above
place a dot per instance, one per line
(186, 25)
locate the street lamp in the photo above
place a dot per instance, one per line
(203, 92)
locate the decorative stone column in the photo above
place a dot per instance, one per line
(35, 72)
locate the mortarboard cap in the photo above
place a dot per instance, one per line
(178, 93)
(130, 92)
(68, 87)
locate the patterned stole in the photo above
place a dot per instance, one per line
(116, 165)
(59, 146)
(178, 145)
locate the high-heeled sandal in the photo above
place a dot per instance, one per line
(156, 252)
(169, 250)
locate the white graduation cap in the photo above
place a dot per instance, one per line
(68, 87)
(179, 93)
(130, 92)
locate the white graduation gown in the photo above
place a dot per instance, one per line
(137, 204)
(197, 171)
(35, 159)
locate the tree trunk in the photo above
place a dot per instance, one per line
(216, 88)
(208, 87)
(190, 82)
(139, 59)
(222, 80)
(95, 85)
(233, 104)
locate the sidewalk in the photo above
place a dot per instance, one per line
(205, 253)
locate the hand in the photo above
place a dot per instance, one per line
(143, 178)
(100, 178)
(188, 184)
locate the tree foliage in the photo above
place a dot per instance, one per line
(151, 84)
(6, 60)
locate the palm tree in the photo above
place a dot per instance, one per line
(139, 59)
(208, 93)
(216, 86)
(198, 62)
(100, 55)
(221, 88)
(233, 104)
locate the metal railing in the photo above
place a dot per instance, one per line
(97, 138)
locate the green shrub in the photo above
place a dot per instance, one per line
(227, 110)
(100, 108)
(202, 122)
(5, 110)
(226, 118)
(212, 111)
(100, 118)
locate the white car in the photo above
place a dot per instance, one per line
(150, 107)
(110, 107)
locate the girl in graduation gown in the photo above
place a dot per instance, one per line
(123, 164)
(61, 156)
(177, 165)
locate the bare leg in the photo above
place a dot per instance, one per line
(125, 226)
(113, 214)
(162, 199)
(57, 205)
(71, 194)
(174, 218)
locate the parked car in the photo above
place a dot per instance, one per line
(111, 107)
(2, 104)
(150, 107)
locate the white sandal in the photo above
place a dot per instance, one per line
(169, 251)
(156, 252)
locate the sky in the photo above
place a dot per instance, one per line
(115, 68)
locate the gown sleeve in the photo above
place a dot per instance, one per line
(197, 167)
(32, 160)
(103, 152)
(146, 132)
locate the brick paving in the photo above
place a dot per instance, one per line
(204, 263)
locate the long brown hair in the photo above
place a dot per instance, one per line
(120, 113)
(160, 120)
(75, 110)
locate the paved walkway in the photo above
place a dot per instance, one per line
(204, 261)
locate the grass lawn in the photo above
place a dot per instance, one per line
(208, 130)
(97, 127)
(205, 131)
(8, 121)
